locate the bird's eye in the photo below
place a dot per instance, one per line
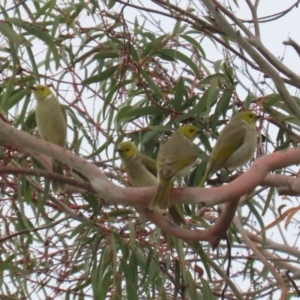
(191, 130)
(42, 89)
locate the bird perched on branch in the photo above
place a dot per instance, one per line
(142, 172)
(235, 145)
(175, 159)
(52, 125)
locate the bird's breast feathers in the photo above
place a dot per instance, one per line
(51, 123)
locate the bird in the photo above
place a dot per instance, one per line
(142, 172)
(52, 125)
(140, 168)
(235, 146)
(175, 159)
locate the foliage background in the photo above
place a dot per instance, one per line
(125, 70)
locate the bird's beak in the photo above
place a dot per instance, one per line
(118, 150)
(32, 88)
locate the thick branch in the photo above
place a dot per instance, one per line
(114, 193)
(219, 230)
(256, 42)
(265, 66)
(138, 196)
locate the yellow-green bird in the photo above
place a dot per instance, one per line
(52, 125)
(140, 168)
(142, 172)
(235, 145)
(175, 159)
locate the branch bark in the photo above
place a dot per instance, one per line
(247, 45)
(228, 194)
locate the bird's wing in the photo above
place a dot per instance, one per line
(174, 159)
(63, 111)
(231, 138)
(150, 164)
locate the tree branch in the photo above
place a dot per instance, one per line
(263, 260)
(106, 189)
(265, 66)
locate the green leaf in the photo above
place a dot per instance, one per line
(8, 32)
(217, 65)
(256, 214)
(93, 201)
(222, 107)
(130, 277)
(33, 64)
(15, 98)
(212, 78)
(102, 76)
(272, 100)
(21, 117)
(105, 55)
(206, 290)
(149, 48)
(209, 98)
(49, 5)
(194, 43)
(203, 106)
(179, 94)
(102, 148)
(268, 200)
(131, 113)
(198, 248)
(191, 286)
(111, 4)
(100, 283)
(174, 54)
(133, 52)
(149, 36)
(41, 33)
(152, 85)
(10, 267)
(176, 27)
(80, 228)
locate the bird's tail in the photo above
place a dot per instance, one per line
(57, 186)
(205, 176)
(162, 194)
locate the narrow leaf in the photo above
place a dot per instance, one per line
(101, 76)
